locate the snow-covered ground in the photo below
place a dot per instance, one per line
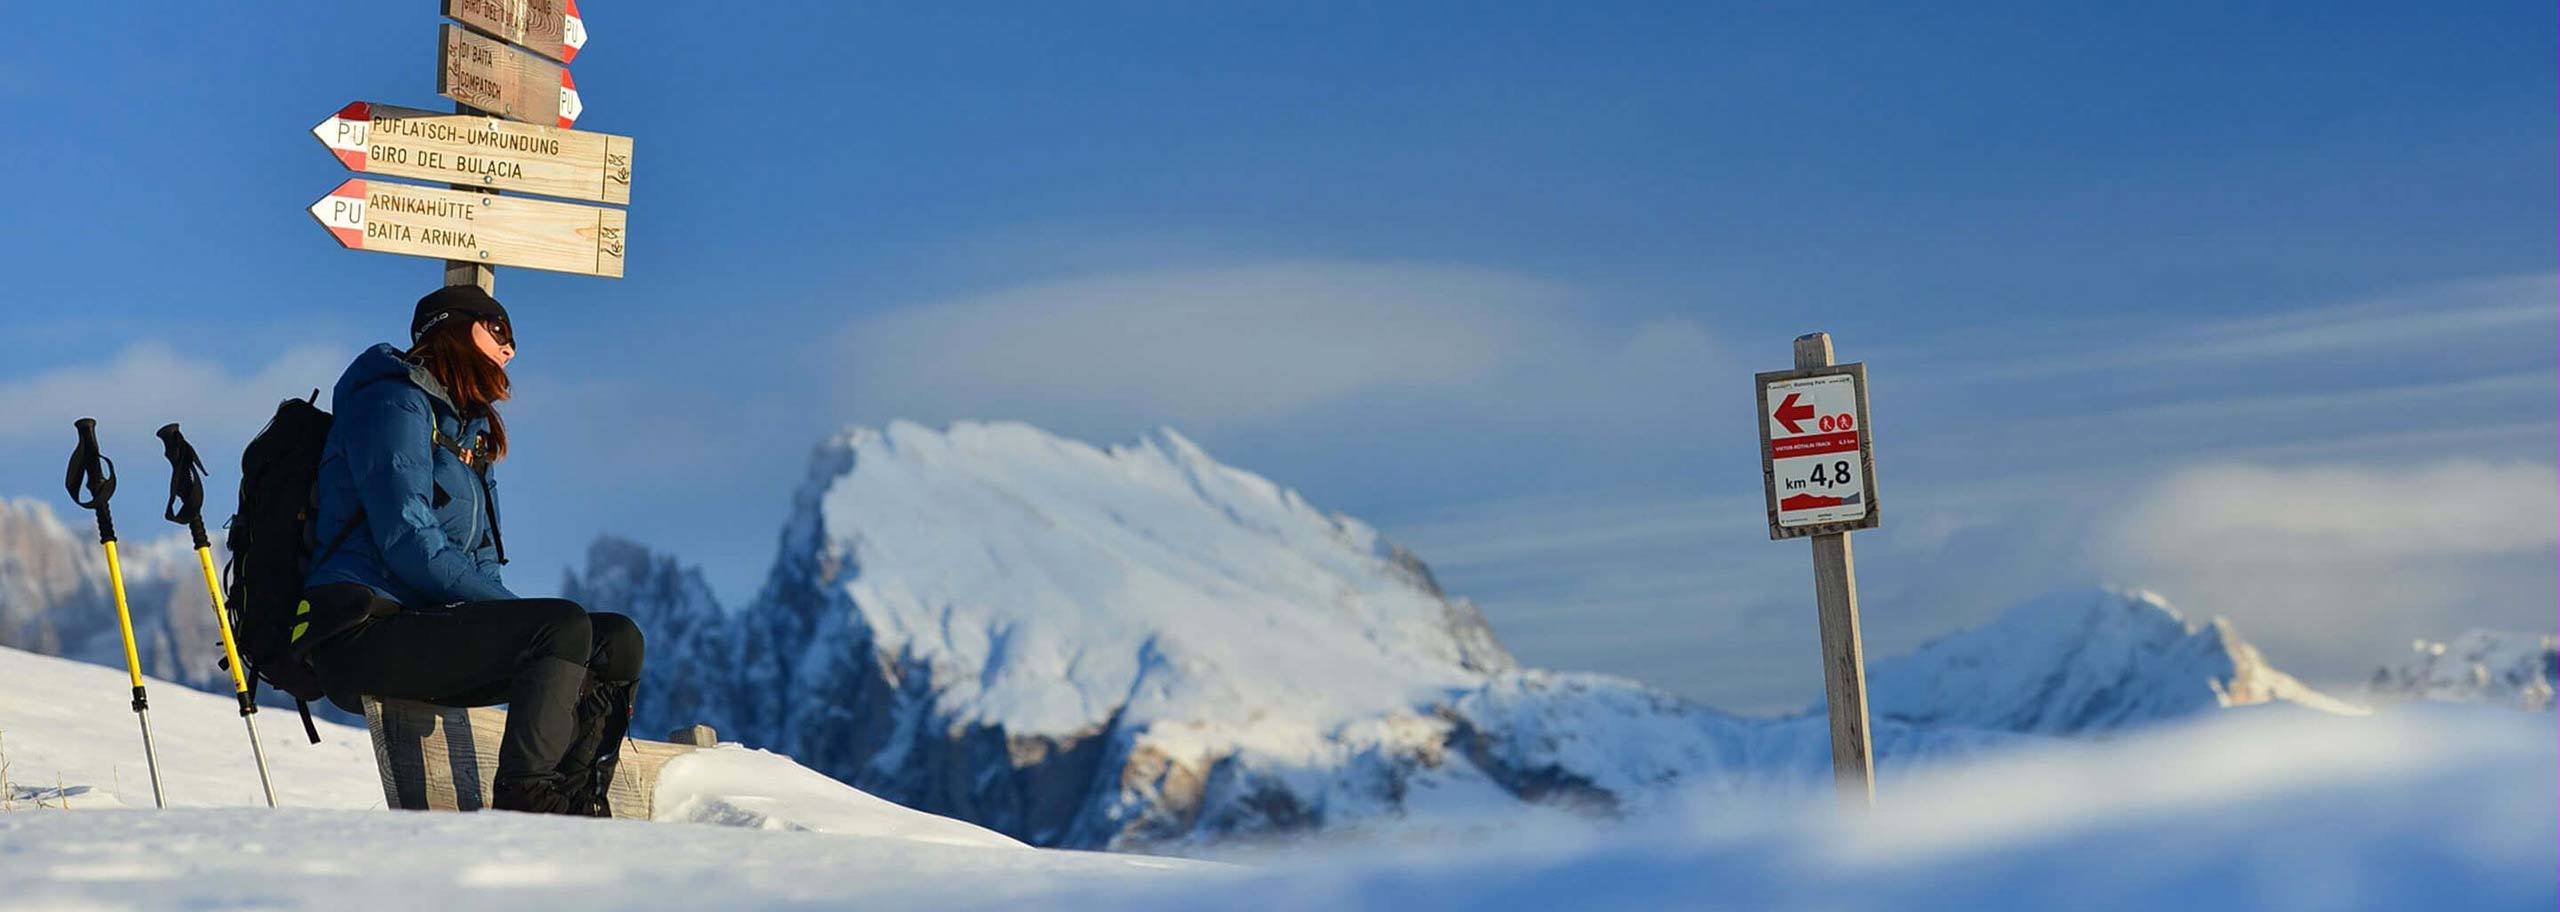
(2272, 807)
(788, 836)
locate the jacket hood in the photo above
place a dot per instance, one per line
(384, 362)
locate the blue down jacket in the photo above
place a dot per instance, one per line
(430, 520)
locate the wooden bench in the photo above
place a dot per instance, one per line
(445, 758)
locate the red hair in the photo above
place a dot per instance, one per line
(475, 383)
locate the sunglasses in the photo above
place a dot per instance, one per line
(499, 330)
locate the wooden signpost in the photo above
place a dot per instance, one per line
(474, 227)
(550, 28)
(513, 104)
(479, 150)
(490, 75)
(1817, 460)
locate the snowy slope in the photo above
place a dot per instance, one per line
(2480, 666)
(1139, 646)
(71, 723)
(67, 730)
(2439, 809)
(2081, 662)
(786, 834)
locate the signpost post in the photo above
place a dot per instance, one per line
(1818, 460)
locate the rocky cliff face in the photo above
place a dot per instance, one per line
(55, 600)
(692, 642)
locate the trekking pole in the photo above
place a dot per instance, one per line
(93, 469)
(186, 507)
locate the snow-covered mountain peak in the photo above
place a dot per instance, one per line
(2082, 660)
(1045, 584)
(2478, 666)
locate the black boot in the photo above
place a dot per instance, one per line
(542, 714)
(586, 771)
(531, 794)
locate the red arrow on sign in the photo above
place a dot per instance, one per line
(1790, 412)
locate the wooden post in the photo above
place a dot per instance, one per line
(1844, 660)
(466, 272)
(444, 758)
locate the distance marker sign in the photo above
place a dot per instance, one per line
(550, 28)
(498, 78)
(1815, 452)
(474, 227)
(480, 150)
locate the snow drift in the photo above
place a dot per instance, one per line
(2421, 806)
(71, 757)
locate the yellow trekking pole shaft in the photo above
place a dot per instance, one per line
(124, 619)
(222, 622)
(93, 470)
(186, 507)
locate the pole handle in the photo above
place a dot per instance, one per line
(185, 505)
(92, 470)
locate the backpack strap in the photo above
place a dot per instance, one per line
(353, 523)
(303, 707)
(497, 530)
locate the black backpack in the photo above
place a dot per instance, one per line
(273, 545)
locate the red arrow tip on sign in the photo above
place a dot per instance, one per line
(342, 212)
(570, 106)
(1790, 412)
(573, 34)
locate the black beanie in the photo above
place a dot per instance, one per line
(449, 301)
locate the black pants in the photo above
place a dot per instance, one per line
(549, 660)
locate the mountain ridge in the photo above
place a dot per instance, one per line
(1137, 645)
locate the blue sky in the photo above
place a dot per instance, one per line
(1493, 277)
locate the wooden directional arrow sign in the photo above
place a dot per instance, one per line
(475, 227)
(550, 28)
(495, 77)
(480, 150)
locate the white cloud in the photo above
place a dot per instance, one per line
(2333, 568)
(1201, 344)
(149, 384)
(2320, 515)
(1248, 343)
(2507, 314)
(2468, 308)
